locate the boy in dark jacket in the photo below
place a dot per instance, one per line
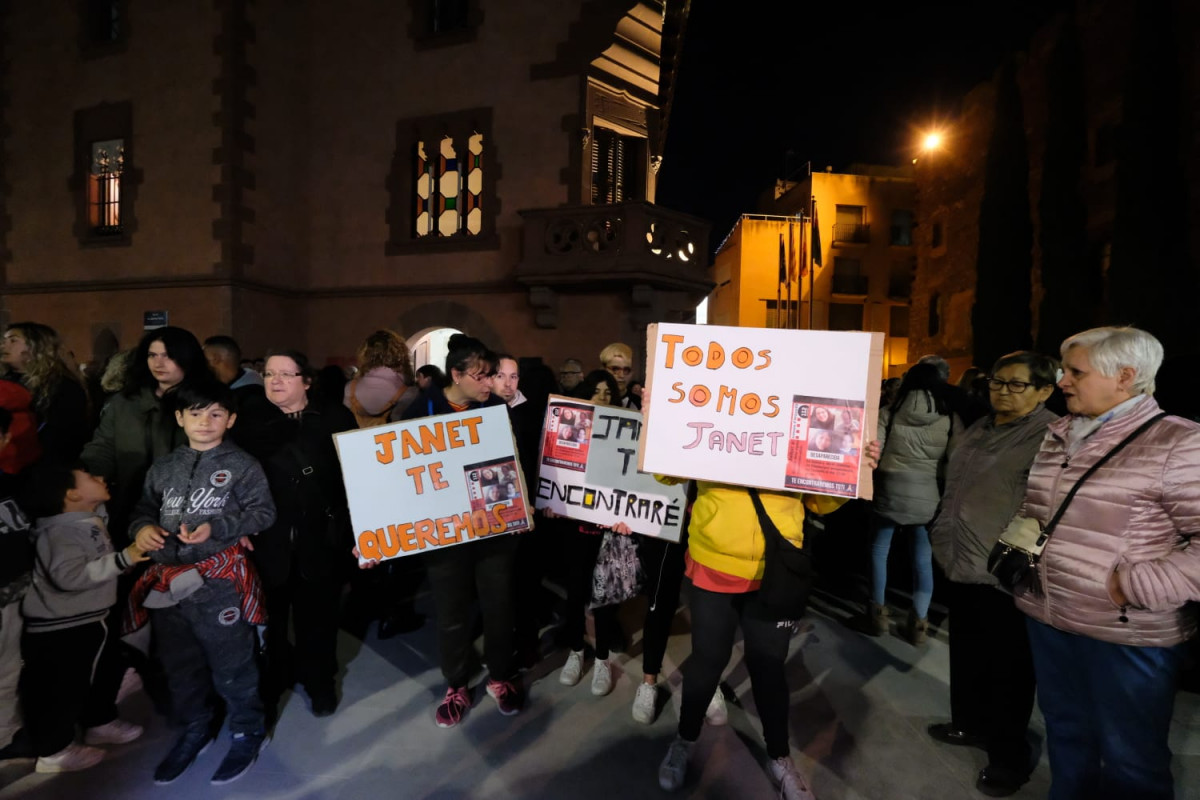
(202, 592)
(74, 587)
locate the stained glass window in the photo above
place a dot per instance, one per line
(449, 189)
(104, 186)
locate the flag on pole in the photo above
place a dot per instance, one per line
(816, 236)
(803, 253)
(782, 261)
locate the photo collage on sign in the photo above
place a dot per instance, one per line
(825, 440)
(494, 484)
(568, 435)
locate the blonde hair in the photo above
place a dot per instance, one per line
(616, 349)
(45, 369)
(385, 348)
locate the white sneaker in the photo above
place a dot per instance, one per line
(572, 671)
(673, 770)
(791, 783)
(130, 682)
(116, 732)
(602, 680)
(71, 758)
(717, 713)
(645, 703)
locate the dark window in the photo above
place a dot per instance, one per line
(442, 23)
(105, 179)
(898, 322)
(443, 183)
(103, 27)
(773, 316)
(447, 15)
(849, 226)
(617, 167)
(900, 277)
(935, 314)
(845, 316)
(1105, 145)
(902, 223)
(935, 238)
(848, 276)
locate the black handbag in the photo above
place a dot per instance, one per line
(788, 574)
(1015, 557)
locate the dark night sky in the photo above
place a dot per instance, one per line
(835, 83)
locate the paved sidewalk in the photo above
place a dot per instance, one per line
(858, 717)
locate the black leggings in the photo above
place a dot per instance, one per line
(581, 551)
(715, 619)
(662, 562)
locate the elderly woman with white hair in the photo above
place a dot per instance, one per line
(1108, 609)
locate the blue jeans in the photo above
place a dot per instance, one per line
(922, 562)
(1108, 712)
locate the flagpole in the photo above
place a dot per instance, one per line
(812, 241)
(778, 283)
(788, 317)
(800, 277)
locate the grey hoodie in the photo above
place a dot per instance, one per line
(907, 490)
(224, 486)
(75, 574)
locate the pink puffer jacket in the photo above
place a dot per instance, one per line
(1138, 511)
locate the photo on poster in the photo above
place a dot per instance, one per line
(568, 435)
(495, 486)
(825, 440)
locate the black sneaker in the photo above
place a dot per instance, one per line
(243, 752)
(324, 702)
(187, 749)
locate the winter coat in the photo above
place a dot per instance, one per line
(311, 532)
(985, 485)
(1138, 512)
(906, 482)
(23, 448)
(724, 533)
(133, 431)
(224, 487)
(75, 574)
(380, 391)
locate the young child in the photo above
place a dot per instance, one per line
(74, 587)
(202, 592)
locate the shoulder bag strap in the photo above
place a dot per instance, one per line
(770, 532)
(1091, 471)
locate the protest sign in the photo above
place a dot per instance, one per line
(776, 409)
(589, 471)
(433, 482)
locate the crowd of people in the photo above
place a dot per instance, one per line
(186, 528)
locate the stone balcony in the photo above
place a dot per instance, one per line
(659, 255)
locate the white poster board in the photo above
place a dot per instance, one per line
(588, 471)
(433, 482)
(776, 409)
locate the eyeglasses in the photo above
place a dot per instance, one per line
(571, 372)
(286, 376)
(620, 370)
(1014, 387)
(480, 376)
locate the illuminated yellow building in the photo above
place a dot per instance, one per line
(861, 277)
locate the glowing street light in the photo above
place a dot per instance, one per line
(932, 141)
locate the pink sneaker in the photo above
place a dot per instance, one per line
(453, 707)
(507, 696)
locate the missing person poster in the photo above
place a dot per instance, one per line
(776, 409)
(433, 482)
(599, 481)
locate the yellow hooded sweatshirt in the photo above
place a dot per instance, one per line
(724, 533)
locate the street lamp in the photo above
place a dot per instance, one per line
(931, 141)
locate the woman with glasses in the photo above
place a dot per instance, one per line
(991, 670)
(484, 568)
(303, 559)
